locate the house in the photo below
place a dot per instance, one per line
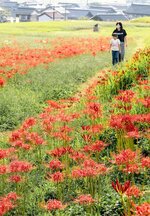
(138, 10)
(110, 17)
(53, 13)
(26, 14)
(50, 16)
(89, 12)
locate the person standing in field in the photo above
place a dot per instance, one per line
(115, 48)
(122, 36)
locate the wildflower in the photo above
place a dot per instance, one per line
(2, 82)
(125, 157)
(15, 179)
(133, 191)
(56, 164)
(57, 177)
(143, 209)
(85, 199)
(3, 169)
(20, 166)
(121, 189)
(146, 162)
(7, 202)
(54, 205)
(95, 147)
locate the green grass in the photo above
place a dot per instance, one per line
(145, 19)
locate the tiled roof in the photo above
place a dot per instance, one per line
(138, 9)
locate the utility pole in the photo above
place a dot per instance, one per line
(53, 13)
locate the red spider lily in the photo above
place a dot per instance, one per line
(119, 188)
(54, 205)
(62, 136)
(57, 177)
(58, 152)
(21, 144)
(3, 169)
(87, 137)
(95, 147)
(145, 102)
(131, 168)
(89, 163)
(125, 96)
(4, 153)
(125, 157)
(2, 82)
(79, 173)
(133, 191)
(133, 134)
(54, 104)
(143, 209)
(56, 164)
(90, 169)
(93, 129)
(78, 156)
(146, 162)
(84, 199)
(15, 179)
(28, 123)
(34, 138)
(124, 122)
(7, 203)
(93, 110)
(20, 166)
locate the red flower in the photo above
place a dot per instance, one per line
(56, 164)
(143, 209)
(121, 189)
(125, 96)
(146, 162)
(7, 203)
(125, 157)
(93, 110)
(85, 199)
(20, 166)
(77, 156)
(131, 168)
(3, 169)
(28, 123)
(133, 191)
(54, 205)
(15, 179)
(57, 177)
(2, 82)
(95, 147)
(58, 152)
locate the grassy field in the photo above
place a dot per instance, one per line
(62, 79)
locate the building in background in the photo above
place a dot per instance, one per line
(45, 10)
(138, 10)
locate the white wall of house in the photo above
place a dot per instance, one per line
(44, 18)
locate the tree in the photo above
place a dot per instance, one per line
(4, 14)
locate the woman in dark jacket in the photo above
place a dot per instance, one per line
(122, 36)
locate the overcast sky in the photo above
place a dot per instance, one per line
(75, 1)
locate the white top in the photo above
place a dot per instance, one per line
(115, 44)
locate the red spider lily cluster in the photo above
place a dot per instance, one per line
(8, 202)
(65, 147)
(20, 60)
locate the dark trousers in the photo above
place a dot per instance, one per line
(115, 57)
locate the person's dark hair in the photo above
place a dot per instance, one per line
(119, 23)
